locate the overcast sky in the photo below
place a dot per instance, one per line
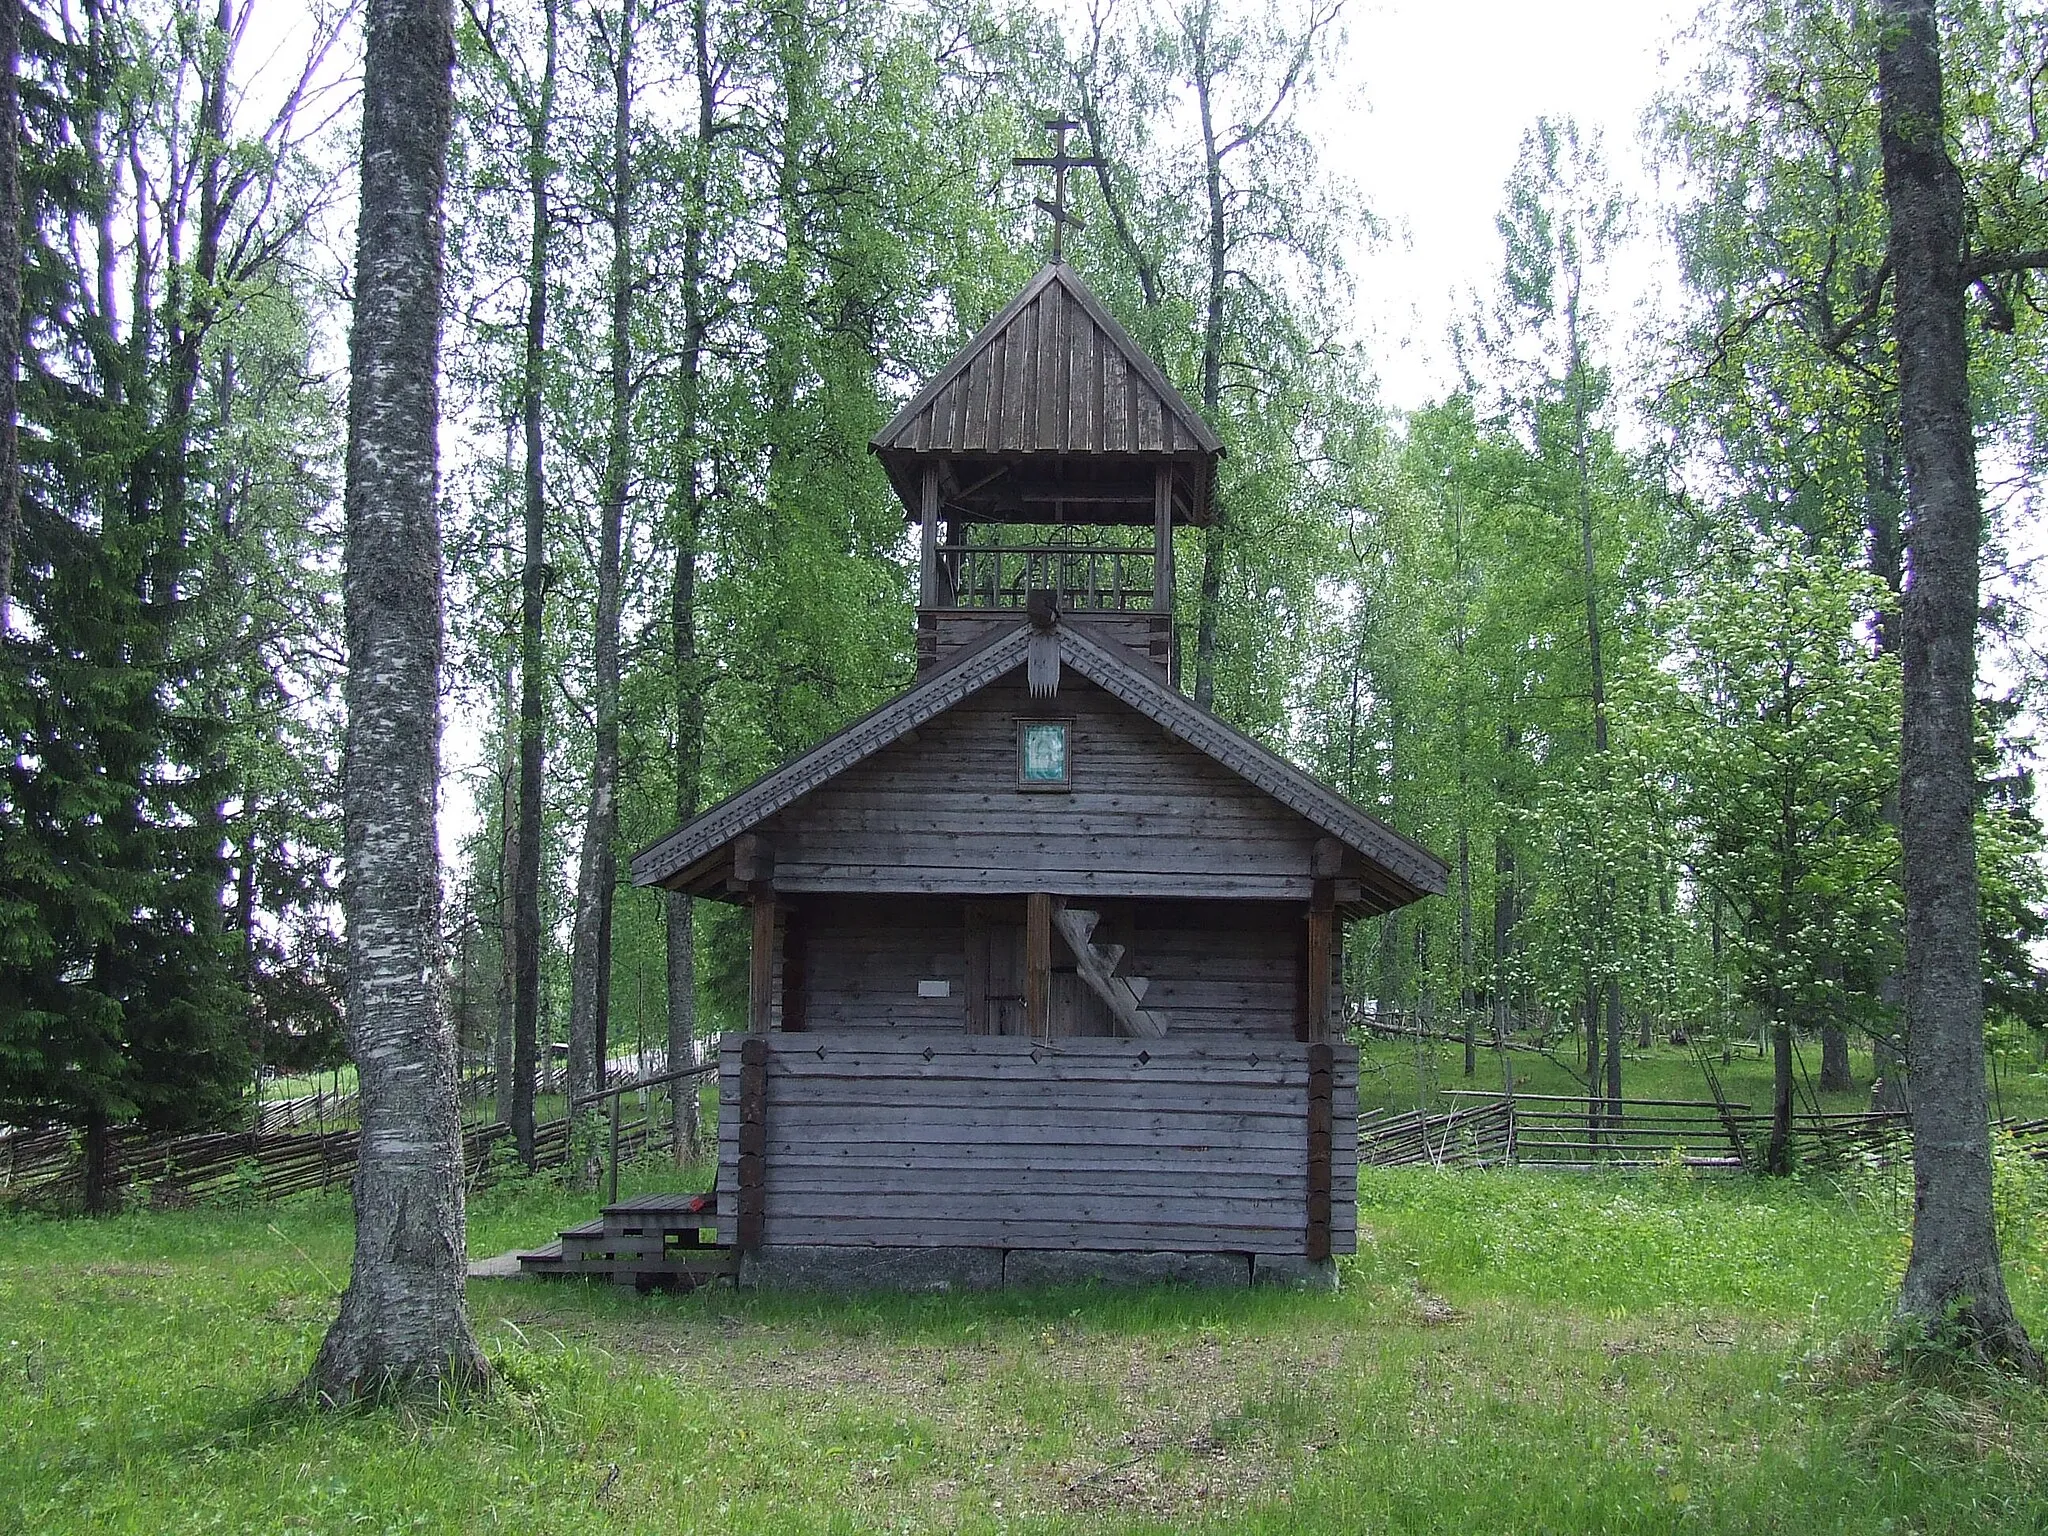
(1427, 122)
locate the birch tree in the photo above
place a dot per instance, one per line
(402, 1326)
(1955, 1284)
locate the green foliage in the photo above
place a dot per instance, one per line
(1788, 728)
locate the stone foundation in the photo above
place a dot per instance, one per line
(846, 1270)
(1292, 1269)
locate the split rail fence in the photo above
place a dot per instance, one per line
(49, 1165)
(1539, 1130)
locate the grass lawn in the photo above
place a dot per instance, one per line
(1510, 1352)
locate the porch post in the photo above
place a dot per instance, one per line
(1038, 964)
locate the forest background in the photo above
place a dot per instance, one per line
(1609, 623)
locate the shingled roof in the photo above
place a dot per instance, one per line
(1053, 373)
(1411, 865)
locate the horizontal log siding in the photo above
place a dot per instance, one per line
(965, 629)
(864, 960)
(1217, 968)
(998, 1142)
(1148, 814)
(1228, 977)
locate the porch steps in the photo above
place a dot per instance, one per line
(648, 1241)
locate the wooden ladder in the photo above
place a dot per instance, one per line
(1096, 964)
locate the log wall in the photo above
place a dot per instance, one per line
(1216, 967)
(940, 811)
(914, 1140)
(944, 633)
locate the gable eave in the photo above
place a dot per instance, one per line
(1128, 680)
(657, 863)
(1264, 769)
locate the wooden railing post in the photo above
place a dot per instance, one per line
(1162, 539)
(614, 1197)
(928, 540)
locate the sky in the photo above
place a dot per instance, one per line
(1426, 118)
(1424, 115)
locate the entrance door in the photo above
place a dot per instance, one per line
(995, 968)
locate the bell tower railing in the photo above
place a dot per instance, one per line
(1090, 573)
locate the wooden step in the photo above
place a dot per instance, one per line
(542, 1261)
(665, 1204)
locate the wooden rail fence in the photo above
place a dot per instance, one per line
(1540, 1130)
(49, 1165)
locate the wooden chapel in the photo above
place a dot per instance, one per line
(1046, 970)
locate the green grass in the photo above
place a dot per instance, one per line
(1510, 1352)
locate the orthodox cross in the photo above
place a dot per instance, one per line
(1061, 163)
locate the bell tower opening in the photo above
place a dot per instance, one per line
(1051, 456)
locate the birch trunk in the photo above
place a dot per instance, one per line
(1954, 1286)
(402, 1327)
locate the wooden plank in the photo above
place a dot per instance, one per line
(1178, 1163)
(1037, 962)
(1079, 1100)
(972, 1053)
(813, 1133)
(826, 1070)
(829, 1230)
(1018, 382)
(1116, 402)
(1081, 385)
(942, 879)
(1253, 1200)
(1315, 1017)
(928, 540)
(761, 971)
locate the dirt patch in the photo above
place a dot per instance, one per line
(1171, 1425)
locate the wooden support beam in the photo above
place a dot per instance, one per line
(1315, 1001)
(1038, 964)
(1162, 539)
(753, 1169)
(753, 859)
(1321, 1092)
(928, 541)
(761, 974)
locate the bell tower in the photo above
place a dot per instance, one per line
(1051, 457)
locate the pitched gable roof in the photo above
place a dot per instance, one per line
(1053, 373)
(1134, 684)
